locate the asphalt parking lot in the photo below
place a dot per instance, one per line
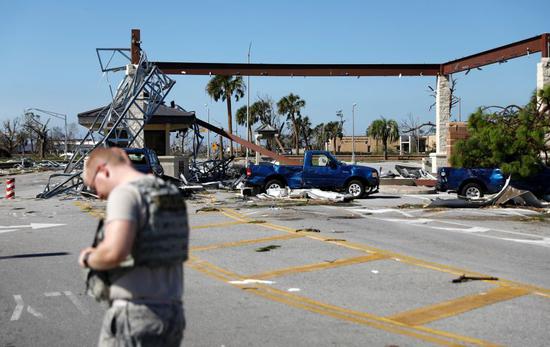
(377, 271)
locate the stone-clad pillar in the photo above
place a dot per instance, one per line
(442, 117)
(135, 120)
(543, 73)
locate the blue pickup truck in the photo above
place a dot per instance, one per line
(473, 183)
(320, 170)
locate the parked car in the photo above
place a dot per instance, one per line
(320, 170)
(145, 160)
(473, 183)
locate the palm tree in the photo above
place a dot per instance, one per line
(385, 130)
(319, 136)
(224, 87)
(290, 106)
(241, 119)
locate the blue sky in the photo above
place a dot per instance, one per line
(48, 59)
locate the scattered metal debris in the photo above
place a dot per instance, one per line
(466, 278)
(314, 194)
(413, 172)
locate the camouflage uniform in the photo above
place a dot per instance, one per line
(160, 246)
(128, 323)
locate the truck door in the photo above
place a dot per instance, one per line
(318, 171)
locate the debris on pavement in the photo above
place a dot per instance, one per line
(308, 230)
(315, 194)
(413, 172)
(267, 248)
(466, 278)
(207, 209)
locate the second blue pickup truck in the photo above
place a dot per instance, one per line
(320, 170)
(473, 183)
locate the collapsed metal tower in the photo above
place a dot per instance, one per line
(136, 100)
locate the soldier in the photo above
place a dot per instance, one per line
(136, 261)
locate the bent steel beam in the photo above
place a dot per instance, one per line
(498, 55)
(280, 158)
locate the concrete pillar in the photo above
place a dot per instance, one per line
(135, 120)
(543, 73)
(442, 117)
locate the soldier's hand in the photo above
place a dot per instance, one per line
(83, 254)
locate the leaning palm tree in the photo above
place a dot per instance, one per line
(224, 87)
(385, 130)
(290, 106)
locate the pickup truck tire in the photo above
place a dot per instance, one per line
(274, 183)
(355, 188)
(472, 191)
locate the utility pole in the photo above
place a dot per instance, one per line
(207, 131)
(248, 105)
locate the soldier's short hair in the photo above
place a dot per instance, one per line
(100, 156)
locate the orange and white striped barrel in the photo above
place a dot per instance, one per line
(10, 188)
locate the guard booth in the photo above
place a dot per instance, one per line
(156, 134)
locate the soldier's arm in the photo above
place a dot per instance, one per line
(117, 245)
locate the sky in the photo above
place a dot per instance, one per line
(48, 58)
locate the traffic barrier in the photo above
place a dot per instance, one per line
(10, 188)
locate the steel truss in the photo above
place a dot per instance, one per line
(136, 100)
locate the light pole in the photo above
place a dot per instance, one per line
(353, 133)
(207, 131)
(248, 104)
(52, 114)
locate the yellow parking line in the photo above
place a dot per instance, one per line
(540, 291)
(216, 225)
(244, 242)
(450, 308)
(422, 333)
(318, 266)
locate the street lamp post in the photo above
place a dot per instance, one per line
(207, 131)
(353, 133)
(248, 105)
(56, 115)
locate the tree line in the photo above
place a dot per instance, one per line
(288, 111)
(29, 134)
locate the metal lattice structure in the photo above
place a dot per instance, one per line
(137, 98)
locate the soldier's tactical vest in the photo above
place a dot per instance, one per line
(161, 240)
